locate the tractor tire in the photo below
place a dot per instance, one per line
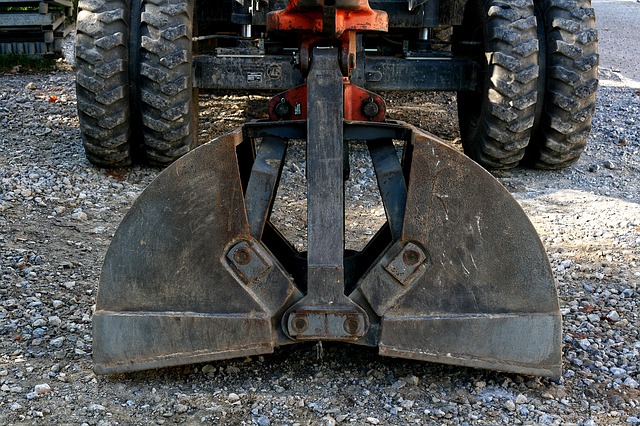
(497, 118)
(569, 50)
(102, 81)
(136, 100)
(168, 100)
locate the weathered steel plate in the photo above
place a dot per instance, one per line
(487, 298)
(462, 279)
(168, 292)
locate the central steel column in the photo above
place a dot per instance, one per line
(325, 313)
(325, 182)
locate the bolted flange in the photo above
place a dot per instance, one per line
(405, 266)
(326, 324)
(247, 261)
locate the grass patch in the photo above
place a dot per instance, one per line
(12, 64)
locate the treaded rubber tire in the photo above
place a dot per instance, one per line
(168, 101)
(102, 81)
(496, 120)
(569, 99)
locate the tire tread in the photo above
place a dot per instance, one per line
(102, 81)
(571, 84)
(166, 86)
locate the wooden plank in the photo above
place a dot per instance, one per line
(35, 3)
(17, 20)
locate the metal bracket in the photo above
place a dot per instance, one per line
(393, 276)
(325, 312)
(248, 262)
(405, 267)
(316, 324)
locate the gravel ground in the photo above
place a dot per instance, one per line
(58, 214)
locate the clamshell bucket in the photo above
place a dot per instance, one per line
(197, 272)
(466, 281)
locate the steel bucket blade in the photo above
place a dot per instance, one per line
(459, 276)
(183, 281)
(469, 282)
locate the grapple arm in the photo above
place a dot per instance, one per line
(197, 272)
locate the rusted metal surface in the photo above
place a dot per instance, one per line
(168, 292)
(261, 189)
(325, 312)
(407, 266)
(327, 323)
(331, 18)
(359, 104)
(488, 297)
(466, 283)
(197, 272)
(391, 182)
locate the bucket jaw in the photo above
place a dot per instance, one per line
(466, 282)
(197, 272)
(183, 281)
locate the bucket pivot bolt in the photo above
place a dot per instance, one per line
(406, 266)
(316, 324)
(247, 262)
(283, 108)
(370, 108)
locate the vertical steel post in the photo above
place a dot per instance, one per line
(325, 182)
(325, 312)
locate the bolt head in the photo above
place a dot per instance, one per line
(283, 109)
(370, 108)
(411, 257)
(242, 256)
(351, 325)
(299, 325)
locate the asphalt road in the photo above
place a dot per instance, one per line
(618, 23)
